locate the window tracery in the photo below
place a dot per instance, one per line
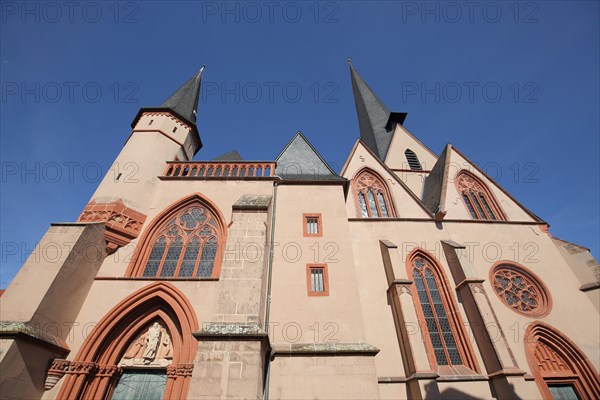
(372, 196)
(520, 290)
(477, 198)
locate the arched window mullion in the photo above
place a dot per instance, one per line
(372, 202)
(148, 254)
(435, 315)
(165, 254)
(478, 207)
(469, 205)
(199, 258)
(487, 206)
(371, 191)
(385, 202)
(180, 259)
(450, 316)
(377, 204)
(438, 310)
(422, 303)
(362, 204)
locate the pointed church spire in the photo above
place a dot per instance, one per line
(184, 101)
(183, 104)
(375, 120)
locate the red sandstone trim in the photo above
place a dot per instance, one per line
(305, 218)
(122, 324)
(543, 298)
(310, 292)
(568, 363)
(142, 252)
(379, 186)
(480, 188)
(454, 318)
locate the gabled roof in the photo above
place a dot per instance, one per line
(434, 189)
(232, 155)
(300, 161)
(389, 171)
(525, 209)
(376, 127)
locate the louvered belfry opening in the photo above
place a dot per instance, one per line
(413, 160)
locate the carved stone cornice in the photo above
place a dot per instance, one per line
(184, 369)
(122, 223)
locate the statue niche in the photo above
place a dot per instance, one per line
(152, 348)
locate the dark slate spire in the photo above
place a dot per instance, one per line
(375, 120)
(300, 161)
(184, 102)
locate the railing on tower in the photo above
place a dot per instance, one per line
(220, 169)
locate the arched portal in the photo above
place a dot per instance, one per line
(561, 370)
(149, 333)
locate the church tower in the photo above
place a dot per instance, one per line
(160, 134)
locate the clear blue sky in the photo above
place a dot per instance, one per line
(514, 86)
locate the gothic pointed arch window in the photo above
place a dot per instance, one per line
(477, 198)
(372, 196)
(413, 160)
(442, 328)
(185, 241)
(561, 370)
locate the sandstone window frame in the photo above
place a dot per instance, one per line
(372, 195)
(307, 221)
(168, 226)
(436, 326)
(477, 198)
(522, 288)
(310, 284)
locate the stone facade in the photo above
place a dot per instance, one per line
(282, 279)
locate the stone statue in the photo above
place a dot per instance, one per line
(136, 349)
(166, 349)
(152, 341)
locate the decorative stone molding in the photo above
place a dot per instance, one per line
(24, 331)
(232, 332)
(184, 369)
(108, 371)
(181, 123)
(371, 194)
(520, 290)
(122, 223)
(252, 202)
(478, 199)
(58, 369)
(326, 349)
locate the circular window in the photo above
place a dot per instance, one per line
(521, 290)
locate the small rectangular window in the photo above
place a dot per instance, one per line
(312, 225)
(317, 280)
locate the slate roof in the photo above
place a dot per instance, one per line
(232, 155)
(183, 104)
(376, 131)
(300, 161)
(184, 101)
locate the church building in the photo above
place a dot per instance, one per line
(285, 279)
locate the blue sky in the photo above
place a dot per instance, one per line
(514, 86)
